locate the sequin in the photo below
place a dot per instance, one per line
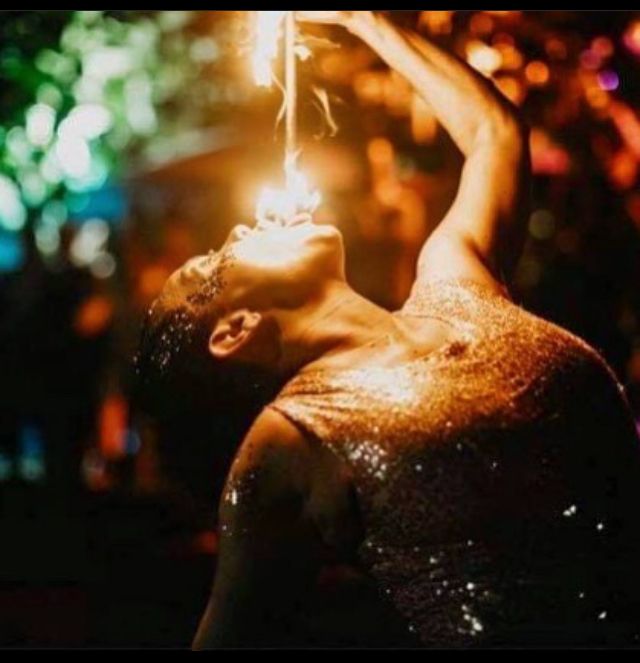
(473, 529)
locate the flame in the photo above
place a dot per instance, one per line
(267, 31)
(282, 205)
(297, 197)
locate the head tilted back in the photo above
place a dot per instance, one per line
(177, 374)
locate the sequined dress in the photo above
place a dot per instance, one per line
(497, 478)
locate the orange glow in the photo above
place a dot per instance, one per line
(632, 37)
(369, 86)
(548, 158)
(503, 12)
(502, 38)
(424, 126)
(623, 170)
(603, 46)
(628, 126)
(437, 22)
(388, 192)
(398, 95)
(511, 57)
(590, 60)
(556, 49)
(113, 426)
(93, 316)
(596, 97)
(512, 89)
(152, 280)
(380, 152)
(537, 73)
(206, 543)
(481, 24)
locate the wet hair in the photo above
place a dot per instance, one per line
(200, 408)
(175, 370)
(171, 352)
(176, 374)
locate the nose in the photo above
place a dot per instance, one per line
(191, 268)
(238, 232)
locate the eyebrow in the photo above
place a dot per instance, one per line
(212, 285)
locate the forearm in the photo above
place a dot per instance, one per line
(464, 102)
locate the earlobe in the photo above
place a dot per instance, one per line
(232, 333)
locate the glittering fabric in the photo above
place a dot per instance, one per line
(496, 478)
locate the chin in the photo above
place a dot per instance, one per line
(327, 243)
(328, 231)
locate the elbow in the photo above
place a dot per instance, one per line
(507, 133)
(516, 131)
(505, 127)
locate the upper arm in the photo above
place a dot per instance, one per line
(269, 550)
(482, 234)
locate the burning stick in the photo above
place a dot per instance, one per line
(290, 82)
(266, 36)
(282, 205)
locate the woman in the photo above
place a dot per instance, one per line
(477, 466)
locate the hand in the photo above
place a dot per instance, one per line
(335, 18)
(347, 19)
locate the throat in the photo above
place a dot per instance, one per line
(359, 333)
(337, 329)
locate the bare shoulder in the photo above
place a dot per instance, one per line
(272, 463)
(269, 548)
(285, 482)
(447, 255)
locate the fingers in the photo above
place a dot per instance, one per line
(301, 218)
(327, 17)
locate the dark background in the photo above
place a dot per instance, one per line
(129, 141)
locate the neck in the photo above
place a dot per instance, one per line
(339, 322)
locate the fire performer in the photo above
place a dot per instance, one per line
(475, 465)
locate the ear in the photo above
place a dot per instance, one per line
(233, 332)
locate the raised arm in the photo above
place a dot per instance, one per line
(269, 551)
(481, 236)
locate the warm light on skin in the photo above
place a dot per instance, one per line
(265, 267)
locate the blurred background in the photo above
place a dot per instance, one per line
(132, 140)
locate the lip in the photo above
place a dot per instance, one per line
(301, 223)
(300, 220)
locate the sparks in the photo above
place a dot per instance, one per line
(267, 30)
(281, 205)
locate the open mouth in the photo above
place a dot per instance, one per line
(267, 225)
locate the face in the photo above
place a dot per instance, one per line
(265, 267)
